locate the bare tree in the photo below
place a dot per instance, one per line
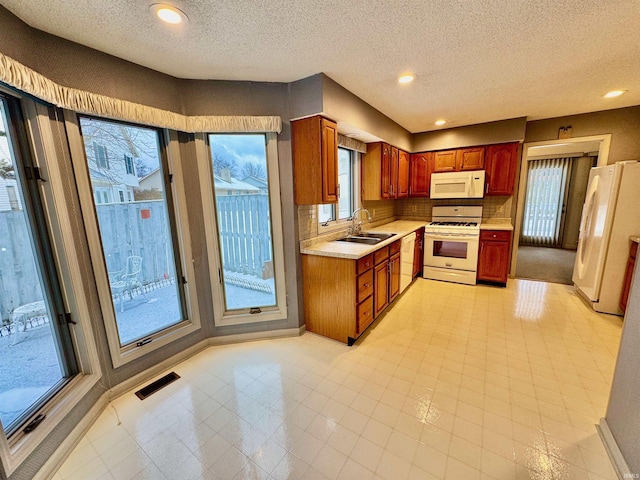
(220, 163)
(254, 170)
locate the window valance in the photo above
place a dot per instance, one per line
(21, 77)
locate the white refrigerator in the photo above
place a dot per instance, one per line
(611, 213)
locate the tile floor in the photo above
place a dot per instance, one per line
(454, 382)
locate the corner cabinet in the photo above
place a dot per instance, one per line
(501, 162)
(314, 143)
(493, 257)
(385, 172)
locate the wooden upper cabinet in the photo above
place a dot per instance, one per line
(385, 172)
(420, 174)
(403, 174)
(470, 159)
(444, 161)
(501, 162)
(393, 171)
(314, 143)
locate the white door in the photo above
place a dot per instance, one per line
(594, 229)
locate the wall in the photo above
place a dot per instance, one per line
(577, 192)
(502, 131)
(623, 412)
(623, 124)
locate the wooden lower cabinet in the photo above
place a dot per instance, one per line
(342, 297)
(628, 276)
(493, 257)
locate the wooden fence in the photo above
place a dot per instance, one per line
(245, 234)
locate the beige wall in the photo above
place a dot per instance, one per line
(502, 131)
(623, 124)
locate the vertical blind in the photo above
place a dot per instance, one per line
(547, 183)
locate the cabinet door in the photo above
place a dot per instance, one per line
(628, 277)
(394, 277)
(418, 250)
(470, 159)
(403, 174)
(444, 161)
(493, 258)
(329, 161)
(393, 172)
(381, 288)
(385, 171)
(500, 166)
(420, 174)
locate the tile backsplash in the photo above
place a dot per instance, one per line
(384, 211)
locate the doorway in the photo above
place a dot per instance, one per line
(553, 182)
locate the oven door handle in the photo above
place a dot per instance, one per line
(451, 236)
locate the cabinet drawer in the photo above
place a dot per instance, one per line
(394, 248)
(365, 315)
(495, 235)
(381, 255)
(365, 285)
(364, 264)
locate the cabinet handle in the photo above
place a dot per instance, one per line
(494, 236)
(366, 285)
(338, 191)
(486, 188)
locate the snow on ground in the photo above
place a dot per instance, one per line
(30, 366)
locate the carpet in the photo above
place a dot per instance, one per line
(553, 265)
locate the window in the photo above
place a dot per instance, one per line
(100, 155)
(346, 189)
(246, 227)
(144, 292)
(128, 163)
(35, 342)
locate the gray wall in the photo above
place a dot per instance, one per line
(623, 412)
(577, 191)
(502, 131)
(623, 124)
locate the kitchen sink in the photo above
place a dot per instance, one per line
(359, 239)
(368, 238)
(381, 236)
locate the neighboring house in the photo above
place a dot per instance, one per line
(9, 196)
(113, 172)
(152, 181)
(261, 183)
(225, 184)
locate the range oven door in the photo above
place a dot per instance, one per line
(454, 251)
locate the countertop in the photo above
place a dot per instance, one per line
(358, 250)
(496, 224)
(635, 238)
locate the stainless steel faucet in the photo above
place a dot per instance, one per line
(356, 228)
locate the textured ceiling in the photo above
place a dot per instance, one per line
(476, 60)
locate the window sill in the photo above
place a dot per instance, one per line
(20, 445)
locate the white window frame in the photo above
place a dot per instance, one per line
(18, 447)
(122, 355)
(221, 316)
(333, 225)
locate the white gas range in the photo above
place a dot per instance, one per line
(451, 244)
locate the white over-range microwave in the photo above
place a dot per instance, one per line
(457, 184)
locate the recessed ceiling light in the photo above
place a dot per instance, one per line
(440, 122)
(169, 13)
(614, 93)
(406, 78)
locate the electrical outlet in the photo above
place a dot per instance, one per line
(413, 209)
(500, 209)
(309, 224)
(373, 213)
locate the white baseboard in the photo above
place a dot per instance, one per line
(615, 455)
(58, 457)
(61, 453)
